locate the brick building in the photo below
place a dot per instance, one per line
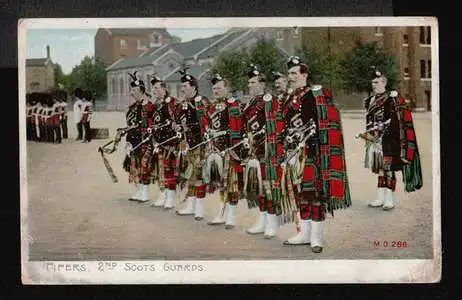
(112, 44)
(411, 46)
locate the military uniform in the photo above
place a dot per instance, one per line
(138, 161)
(190, 115)
(391, 145)
(87, 113)
(223, 169)
(314, 169)
(167, 153)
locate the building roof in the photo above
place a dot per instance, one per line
(213, 50)
(36, 62)
(186, 49)
(195, 71)
(138, 31)
(189, 49)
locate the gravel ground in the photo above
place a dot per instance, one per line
(75, 212)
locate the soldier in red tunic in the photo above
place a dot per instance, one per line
(56, 118)
(138, 160)
(164, 132)
(391, 143)
(223, 167)
(314, 169)
(191, 114)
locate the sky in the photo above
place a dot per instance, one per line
(69, 46)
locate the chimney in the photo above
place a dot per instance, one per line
(48, 51)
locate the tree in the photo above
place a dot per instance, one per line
(90, 74)
(357, 66)
(234, 67)
(176, 39)
(269, 58)
(60, 77)
(323, 68)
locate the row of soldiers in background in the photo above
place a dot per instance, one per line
(83, 112)
(283, 154)
(46, 117)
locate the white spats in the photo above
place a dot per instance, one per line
(390, 200)
(144, 193)
(219, 219)
(316, 236)
(161, 200)
(199, 209)
(259, 226)
(303, 237)
(137, 196)
(272, 226)
(379, 200)
(189, 208)
(170, 200)
(231, 216)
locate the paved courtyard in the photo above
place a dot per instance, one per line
(75, 211)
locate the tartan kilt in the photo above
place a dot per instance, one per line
(140, 167)
(194, 162)
(309, 179)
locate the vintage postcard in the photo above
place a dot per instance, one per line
(229, 150)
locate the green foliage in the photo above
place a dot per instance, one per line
(60, 77)
(233, 66)
(90, 74)
(176, 39)
(357, 72)
(269, 58)
(323, 68)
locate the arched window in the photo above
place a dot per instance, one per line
(113, 86)
(121, 80)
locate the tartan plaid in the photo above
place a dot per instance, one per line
(324, 169)
(387, 181)
(412, 172)
(274, 153)
(335, 191)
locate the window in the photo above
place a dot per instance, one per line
(405, 39)
(34, 85)
(423, 72)
(113, 88)
(123, 44)
(406, 72)
(121, 81)
(425, 69)
(140, 45)
(429, 68)
(171, 66)
(425, 35)
(155, 40)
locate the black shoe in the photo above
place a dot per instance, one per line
(316, 249)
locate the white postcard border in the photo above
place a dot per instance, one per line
(252, 271)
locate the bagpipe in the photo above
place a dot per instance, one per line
(298, 136)
(374, 153)
(106, 149)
